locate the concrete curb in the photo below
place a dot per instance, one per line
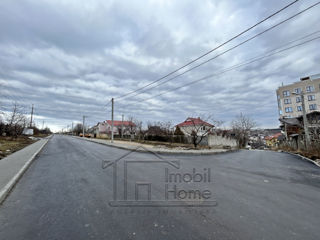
(303, 157)
(4, 192)
(157, 151)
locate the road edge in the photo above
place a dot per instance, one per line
(4, 192)
(160, 152)
(303, 157)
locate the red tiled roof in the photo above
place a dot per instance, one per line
(273, 136)
(277, 135)
(119, 123)
(194, 121)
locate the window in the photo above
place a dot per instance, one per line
(313, 106)
(298, 99)
(278, 96)
(286, 93)
(310, 88)
(288, 109)
(299, 108)
(279, 104)
(297, 90)
(204, 128)
(280, 112)
(311, 98)
(287, 100)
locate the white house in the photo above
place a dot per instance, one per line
(195, 124)
(103, 129)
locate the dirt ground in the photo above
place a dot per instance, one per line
(9, 145)
(159, 144)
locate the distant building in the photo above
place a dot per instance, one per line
(274, 140)
(289, 104)
(27, 131)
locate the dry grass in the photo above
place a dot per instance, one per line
(9, 145)
(313, 153)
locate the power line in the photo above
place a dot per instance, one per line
(234, 67)
(107, 104)
(250, 61)
(215, 57)
(228, 50)
(205, 54)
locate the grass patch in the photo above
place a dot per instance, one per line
(9, 145)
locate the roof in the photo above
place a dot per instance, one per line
(290, 121)
(194, 122)
(312, 77)
(274, 136)
(119, 123)
(298, 120)
(309, 114)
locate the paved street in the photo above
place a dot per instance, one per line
(65, 195)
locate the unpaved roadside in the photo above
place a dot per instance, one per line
(10, 145)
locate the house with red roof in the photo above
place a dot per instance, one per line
(273, 140)
(195, 125)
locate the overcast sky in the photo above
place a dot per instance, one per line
(69, 58)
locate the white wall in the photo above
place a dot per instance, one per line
(215, 140)
(187, 130)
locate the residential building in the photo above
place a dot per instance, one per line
(195, 124)
(293, 129)
(289, 100)
(103, 129)
(274, 140)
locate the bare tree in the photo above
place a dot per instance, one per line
(198, 128)
(241, 126)
(157, 129)
(78, 128)
(16, 121)
(166, 127)
(139, 129)
(131, 127)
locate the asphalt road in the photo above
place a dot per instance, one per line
(65, 194)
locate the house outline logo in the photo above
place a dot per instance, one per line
(125, 202)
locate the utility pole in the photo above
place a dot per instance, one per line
(112, 103)
(42, 124)
(83, 118)
(72, 129)
(305, 122)
(31, 116)
(122, 127)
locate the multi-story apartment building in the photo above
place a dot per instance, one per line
(289, 99)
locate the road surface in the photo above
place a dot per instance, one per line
(65, 194)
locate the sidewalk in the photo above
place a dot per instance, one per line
(157, 149)
(13, 166)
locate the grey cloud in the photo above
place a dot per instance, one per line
(70, 58)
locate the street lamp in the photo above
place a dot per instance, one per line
(305, 121)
